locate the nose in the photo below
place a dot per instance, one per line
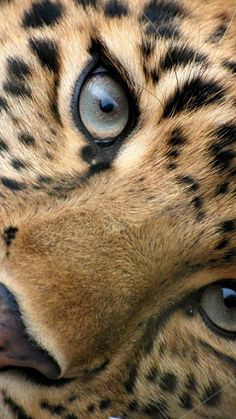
(17, 348)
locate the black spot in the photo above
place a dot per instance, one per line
(175, 142)
(173, 154)
(15, 408)
(12, 184)
(221, 151)
(104, 404)
(86, 3)
(133, 406)
(191, 383)
(218, 34)
(223, 159)
(211, 396)
(44, 179)
(228, 226)
(115, 8)
(88, 153)
(152, 375)
(168, 382)
(47, 53)
(226, 134)
(185, 401)
(230, 65)
(17, 89)
(49, 156)
(72, 398)
(130, 383)
(160, 12)
(177, 56)
(96, 47)
(9, 235)
(54, 109)
(222, 189)
(157, 409)
(230, 255)
(172, 166)
(154, 75)
(91, 408)
(223, 243)
(55, 409)
(192, 185)
(176, 138)
(166, 31)
(198, 205)
(42, 13)
(26, 139)
(147, 48)
(3, 104)
(193, 95)
(18, 71)
(70, 416)
(18, 68)
(3, 146)
(18, 164)
(99, 167)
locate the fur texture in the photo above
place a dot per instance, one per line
(105, 256)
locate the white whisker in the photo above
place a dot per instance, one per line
(228, 385)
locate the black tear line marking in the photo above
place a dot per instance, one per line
(226, 359)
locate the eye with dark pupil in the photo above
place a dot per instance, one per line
(107, 105)
(218, 305)
(103, 107)
(229, 297)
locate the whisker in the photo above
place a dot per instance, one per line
(228, 385)
(158, 33)
(228, 28)
(151, 93)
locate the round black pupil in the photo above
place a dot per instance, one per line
(229, 297)
(106, 105)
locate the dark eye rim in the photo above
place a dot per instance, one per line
(230, 335)
(88, 71)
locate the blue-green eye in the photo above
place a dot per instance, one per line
(103, 107)
(218, 303)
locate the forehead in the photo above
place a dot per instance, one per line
(46, 45)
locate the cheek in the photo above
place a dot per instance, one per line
(189, 367)
(59, 273)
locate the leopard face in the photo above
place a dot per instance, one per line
(118, 216)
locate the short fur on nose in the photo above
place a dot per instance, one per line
(17, 348)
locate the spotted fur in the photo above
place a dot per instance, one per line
(104, 250)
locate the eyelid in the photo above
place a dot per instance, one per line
(99, 70)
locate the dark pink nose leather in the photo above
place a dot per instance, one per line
(17, 349)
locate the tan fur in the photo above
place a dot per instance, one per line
(91, 266)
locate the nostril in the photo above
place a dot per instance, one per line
(17, 348)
